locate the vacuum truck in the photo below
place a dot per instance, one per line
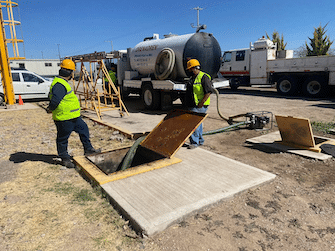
(156, 68)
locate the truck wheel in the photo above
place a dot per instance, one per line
(286, 86)
(315, 87)
(2, 99)
(150, 97)
(233, 84)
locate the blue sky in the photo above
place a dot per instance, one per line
(80, 27)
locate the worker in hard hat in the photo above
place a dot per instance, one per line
(197, 97)
(65, 108)
(112, 74)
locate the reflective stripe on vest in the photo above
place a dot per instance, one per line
(69, 107)
(198, 90)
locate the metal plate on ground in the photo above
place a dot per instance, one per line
(170, 134)
(296, 131)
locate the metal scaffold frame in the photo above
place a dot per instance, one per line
(4, 57)
(90, 94)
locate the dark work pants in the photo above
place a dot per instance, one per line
(64, 130)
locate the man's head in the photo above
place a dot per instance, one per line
(193, 66)
(66, 68)
(113, 67)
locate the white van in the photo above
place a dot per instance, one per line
(27, 84)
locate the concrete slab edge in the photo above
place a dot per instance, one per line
(269, 142)
(95, 174)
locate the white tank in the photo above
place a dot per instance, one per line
(264, 43)
(166, 58)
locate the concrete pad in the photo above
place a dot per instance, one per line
(270, 140)
(154, 200)
(137, 123)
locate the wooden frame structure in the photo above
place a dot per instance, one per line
(93, 96)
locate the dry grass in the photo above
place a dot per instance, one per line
(46, 206)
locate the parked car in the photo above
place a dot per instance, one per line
(27, 84)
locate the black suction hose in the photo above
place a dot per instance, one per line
(128, 159)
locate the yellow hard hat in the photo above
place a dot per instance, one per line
(68, 64)
(192, 63)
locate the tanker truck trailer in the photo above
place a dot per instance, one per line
(156, 68)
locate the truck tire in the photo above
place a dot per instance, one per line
(234, 84)
(315, 87)
(287, 86)
(150, 97)
(2, 99)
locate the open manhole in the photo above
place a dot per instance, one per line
(155, 151)
(110, 162)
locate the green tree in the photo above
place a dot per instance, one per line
(278, 40)
(320, 43)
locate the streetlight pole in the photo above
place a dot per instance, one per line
(58, 51)
(112, 47)
(111, 44)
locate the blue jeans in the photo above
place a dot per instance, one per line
(196, 138)
(64, 130)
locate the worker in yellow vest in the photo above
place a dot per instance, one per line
(112, 74)
(197, 97)
(65, 108)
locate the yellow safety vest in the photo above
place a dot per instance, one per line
(198, 90)
(69, 107)
(112, 76)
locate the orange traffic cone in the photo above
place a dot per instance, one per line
(20, 100)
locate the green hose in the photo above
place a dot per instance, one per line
(128, 159)
(224, 129)
(217, 105)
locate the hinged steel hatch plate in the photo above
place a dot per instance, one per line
(171, 133)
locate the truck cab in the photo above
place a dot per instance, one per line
(235, 67)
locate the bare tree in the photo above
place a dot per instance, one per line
(300, 52)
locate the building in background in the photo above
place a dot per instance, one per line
(43, 67)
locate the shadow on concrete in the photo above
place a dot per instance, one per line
(21, 157)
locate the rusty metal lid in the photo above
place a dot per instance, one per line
(171, 133)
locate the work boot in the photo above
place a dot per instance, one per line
(67, 163)
(92, 151)
(192, 146)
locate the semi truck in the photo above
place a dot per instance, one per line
(156, 67)
(262, 64)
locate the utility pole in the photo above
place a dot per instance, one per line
(112, 48)
(58, 51)
(111, 44)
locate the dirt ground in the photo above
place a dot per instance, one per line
(44, 206)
